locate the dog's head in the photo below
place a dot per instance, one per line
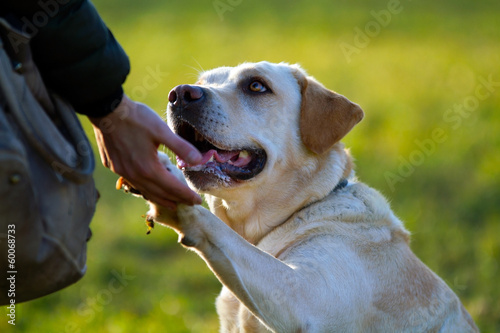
(257, 122)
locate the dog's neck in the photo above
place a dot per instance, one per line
(253, 215)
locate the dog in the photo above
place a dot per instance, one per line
(299, 244)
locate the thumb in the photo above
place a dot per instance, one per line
(182, 148)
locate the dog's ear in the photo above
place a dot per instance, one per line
(325, 116)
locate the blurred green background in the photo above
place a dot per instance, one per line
(427, 75)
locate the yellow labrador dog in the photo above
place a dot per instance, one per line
(299, 244)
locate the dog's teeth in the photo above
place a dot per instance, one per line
(243, 154)
(211, 159)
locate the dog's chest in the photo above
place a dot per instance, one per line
(234, 316)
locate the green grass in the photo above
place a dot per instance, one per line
(427, 59)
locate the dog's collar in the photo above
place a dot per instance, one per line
(342, 183)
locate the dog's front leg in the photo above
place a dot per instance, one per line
(272, 290)
(284, 298)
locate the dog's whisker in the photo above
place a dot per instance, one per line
(201, 70)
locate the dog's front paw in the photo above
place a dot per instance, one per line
(161, 215)
(165, 160)
(189, 219)
(156, 213)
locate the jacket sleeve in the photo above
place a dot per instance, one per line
(75, 52)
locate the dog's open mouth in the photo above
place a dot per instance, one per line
(225, 163)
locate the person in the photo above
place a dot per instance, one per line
(79, 58)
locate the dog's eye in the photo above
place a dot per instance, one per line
(257, 86)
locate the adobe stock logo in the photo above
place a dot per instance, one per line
(373, 28)
(223, 6)
(453, 117)
(39, 19)
(150, 82)
(89, 308)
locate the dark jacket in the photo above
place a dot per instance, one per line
(75, 52)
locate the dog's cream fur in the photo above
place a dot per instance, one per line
(293, 254)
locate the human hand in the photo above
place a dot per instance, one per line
(128, 140)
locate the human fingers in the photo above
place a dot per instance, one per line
(164, 188)
(182, 148)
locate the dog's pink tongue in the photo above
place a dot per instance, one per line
(221, 156)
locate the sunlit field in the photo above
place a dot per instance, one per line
(427, 75)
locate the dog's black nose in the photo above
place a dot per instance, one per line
(185, 94)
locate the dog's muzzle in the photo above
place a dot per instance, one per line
(194, 120)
